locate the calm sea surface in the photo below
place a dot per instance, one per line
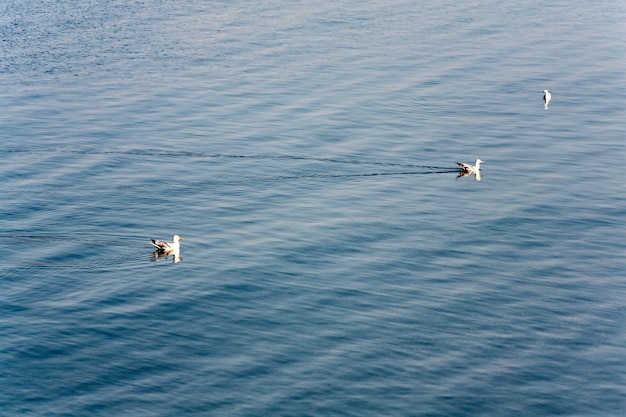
(332, 264)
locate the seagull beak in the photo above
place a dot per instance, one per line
(180, 238)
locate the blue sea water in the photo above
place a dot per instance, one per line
(332, 264)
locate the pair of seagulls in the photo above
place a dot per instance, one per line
(164, 248)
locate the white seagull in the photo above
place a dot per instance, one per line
(470, 169)
(167, 246)
(547, 96)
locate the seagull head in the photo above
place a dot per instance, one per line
(177, 238)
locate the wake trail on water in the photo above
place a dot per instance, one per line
(106, 252)
(287, 168)
(111, 251)
(212, 155)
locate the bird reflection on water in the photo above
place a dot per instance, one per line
(477, 175)
(159, 255)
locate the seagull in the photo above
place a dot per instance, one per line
(167, 246)
(470, 169)
(547, 96)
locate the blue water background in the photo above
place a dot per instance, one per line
(333, 263)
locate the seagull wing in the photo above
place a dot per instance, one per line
(160, 244)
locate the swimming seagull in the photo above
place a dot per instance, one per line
(547, 96)
(467, 169)
(167, 246)
(470, 169)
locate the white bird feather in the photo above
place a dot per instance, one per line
(167, 246)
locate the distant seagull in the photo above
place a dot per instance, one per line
(467, 169)
(167, 246)
(547, 96)
(470, 169)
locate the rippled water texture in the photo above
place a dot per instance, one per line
(333, 264)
